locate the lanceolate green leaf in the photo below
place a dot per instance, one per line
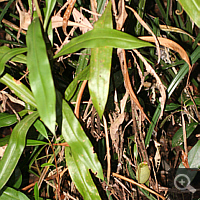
(101, 37)
(19, 89)
(81, 149)
(80, 175)
(40, 76)
(49, 8)
(100, 65)
(9, 193)
(8, 55)
(177, 139)
(192, 8)
(15, 148)
(83, 75)
(21, 58)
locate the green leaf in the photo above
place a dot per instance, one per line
(47, 164)
(81, 157)
(4, 140)
(8, 55)
(177, 139)
(9, 193)
(21, 58)
(35, 142)
(193, 161)
(102, 37)
(40, 76)
(49, 8)
(192, 8)
(7, 119)
(81, 176)
(100, 66)
(41, 128)
(19, 89)
(83, 75)
(36, 192)
(172, 106)
(15, 180)
(193, 156)
(15, 148)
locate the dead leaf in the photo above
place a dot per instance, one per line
(176, 30)
(123, 101)
(142, 22)
(184, 159)
(114, 128)
(159, 84)
(121, 18)
(170, 44)
(82, 20)
(25, 18)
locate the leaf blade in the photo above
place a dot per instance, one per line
(101, 37)
(19, 89)
(40, 76)
(15, 148)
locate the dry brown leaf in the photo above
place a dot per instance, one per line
(170, 44)
(139, 72)
(82, 20)
(123, 101)
(142, 22)
(2, 150)
(157, 156)
(121, 18)
(25, 18)
(122, 58)
(184, 158)
(159, 84)
(114, 128)
(176, 30)
(67, 14)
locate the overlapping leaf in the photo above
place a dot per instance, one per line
(40, 76)
(80, 158)
(8, 54)
(100, 65)
(11, 194)
(49, 8)
(19, 89)
(15, 148)
(102, 37)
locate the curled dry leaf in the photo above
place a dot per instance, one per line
(121, 18)
(176, 30)
(123, 102)
(25, 18)
(67, 15)
(13, 99)
(159, 84)
(170, 44)
(57, 21)
(82, 20)
(122, 58)
(148, 29)
(139, 72)
(114, 128)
